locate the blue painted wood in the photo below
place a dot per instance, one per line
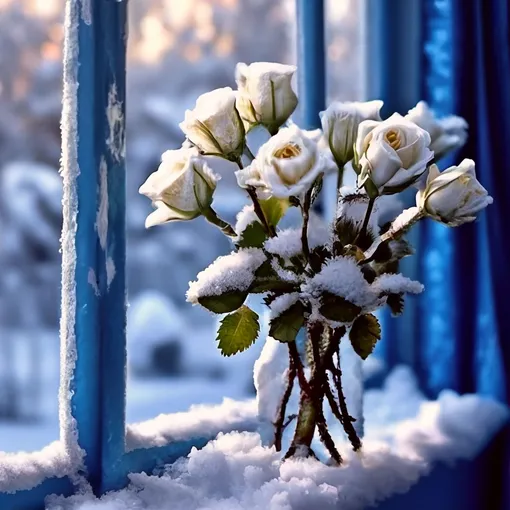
(98, 403)
(311, 61)
(111, 64)
(33, 499)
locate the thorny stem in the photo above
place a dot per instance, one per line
(333, 404)
(361, 233)
(327, 440)
(279, 424)
(294, 354)
(347, 420)
(305, 209)
(322, 427)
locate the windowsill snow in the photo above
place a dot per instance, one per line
(406, 435)
(199, 421)
(25, 470)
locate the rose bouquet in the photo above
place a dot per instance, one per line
(327, 279)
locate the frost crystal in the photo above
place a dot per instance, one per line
(227, 273)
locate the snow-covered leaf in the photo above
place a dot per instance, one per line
(286, 326)
(238, 331)
(364, 334)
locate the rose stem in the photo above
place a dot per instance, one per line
(305, 210)
(279, 424)
(347, 419)
(368, 213)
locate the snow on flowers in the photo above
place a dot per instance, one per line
(325, 279)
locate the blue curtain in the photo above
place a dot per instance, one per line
(464, 335)
(467, 72)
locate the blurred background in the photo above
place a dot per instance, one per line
(178, 49)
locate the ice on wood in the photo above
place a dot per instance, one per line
(69, 171)
(227, 273)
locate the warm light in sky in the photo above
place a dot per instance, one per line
(164, 21)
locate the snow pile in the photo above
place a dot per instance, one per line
(235, 472)
(230, 272)
(199, 421)
(22, 470)
(270, 378)
(352, 381)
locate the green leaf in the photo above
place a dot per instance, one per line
(238, 331)
(364, 334)
(253, 236)
(286, 326)
(337, 308)
(396, 304)
(274, 209)
(224, 303)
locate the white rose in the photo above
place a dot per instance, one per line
(214, 125)
(181, 188)
(265, 94)
(340, 122)
(393, 153)
(454, 196)
(285, 166)
(446, 134)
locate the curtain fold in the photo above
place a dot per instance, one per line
(465, 331)
(464, 336)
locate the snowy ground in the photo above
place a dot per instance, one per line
(405, 436)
